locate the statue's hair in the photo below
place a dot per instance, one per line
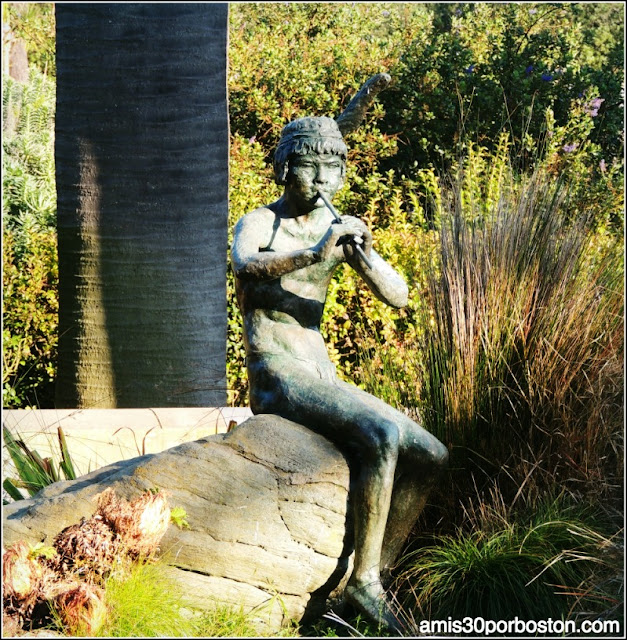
(307, 135)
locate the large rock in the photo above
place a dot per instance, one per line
(267, 509)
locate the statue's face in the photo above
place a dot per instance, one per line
(311, 173)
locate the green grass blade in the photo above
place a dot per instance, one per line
(12, 490)
(66, 460)
(32, 476)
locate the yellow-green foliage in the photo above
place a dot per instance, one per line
(29, 334)
(148, 603)
(30, 274)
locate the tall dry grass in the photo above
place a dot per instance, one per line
(520, 366)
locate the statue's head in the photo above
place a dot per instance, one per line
(319, 135)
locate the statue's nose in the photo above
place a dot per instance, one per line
(322, 175)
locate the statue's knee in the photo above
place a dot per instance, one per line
(439, 455)
(383, 441)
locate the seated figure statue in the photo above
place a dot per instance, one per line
(283, 256)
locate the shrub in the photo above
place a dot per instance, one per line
(476, 69)
(34, 472)
(29, 333)
(30, 273)
(29, 193)
(34, 23)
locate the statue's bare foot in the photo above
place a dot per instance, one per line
(371, 600)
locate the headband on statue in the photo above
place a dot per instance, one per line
(311, 127)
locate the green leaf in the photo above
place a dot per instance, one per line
(66, 461)
(12, 490)
(178, 516)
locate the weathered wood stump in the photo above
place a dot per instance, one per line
(267, 512)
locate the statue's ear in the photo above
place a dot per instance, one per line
(355, 112)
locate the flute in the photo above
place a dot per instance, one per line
(331, 208)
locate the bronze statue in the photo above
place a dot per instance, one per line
(283, 257)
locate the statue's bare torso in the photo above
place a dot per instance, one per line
(282, 316)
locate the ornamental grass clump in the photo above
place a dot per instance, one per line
(521, 358)
(556, 561)
(25, 581)
(139, 524)
(89, 548)
(82, 609)
(33, 471)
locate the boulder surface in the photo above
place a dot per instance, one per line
(267, 511)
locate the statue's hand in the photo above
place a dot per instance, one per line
(362, 236)
(340, 235)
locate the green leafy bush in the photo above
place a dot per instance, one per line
(29, 333)
(30, 270)
(28, 174)
(34, 23)
(480, 68)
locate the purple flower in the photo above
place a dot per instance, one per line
(592, 108)
(602, 165)
(532, 11)
(547, 77)
(470, 69)
(529, 69)
(252, 139)
(385, 13)
(569, 148)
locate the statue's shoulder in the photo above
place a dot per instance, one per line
(254, 229)
(260, 217)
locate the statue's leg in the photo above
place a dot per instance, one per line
(422, 458)
(408, 500)
(296, 392)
